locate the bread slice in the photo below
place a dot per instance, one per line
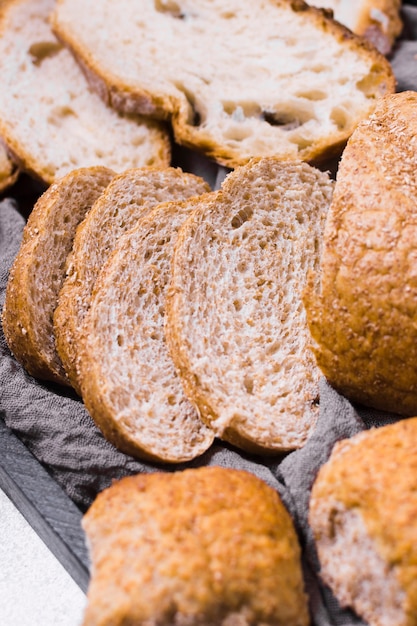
(130, 196)
(127, 377)
(8, 170)
(38, 271)
(236, 82)
(377, 20)
(235, 322)
(51, 121)
(362, 512)
(362, 315)
(201, 547)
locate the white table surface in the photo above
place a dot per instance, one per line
(35, 589)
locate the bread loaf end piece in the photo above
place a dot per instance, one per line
(363, 316)
(38, 271)
(130, 196)
(363, 515)
(127, 377)
(235, 322)
(202, 547)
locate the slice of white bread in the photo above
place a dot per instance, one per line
(377, 20)
(363, 513)
(236, 80)
(130, 196)
(235, 322)
(363, 314)
(38, 271)
(127, 377)
(50, 119)
(8, 170)
(203, 547)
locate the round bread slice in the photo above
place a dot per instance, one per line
(235, 322)
(363, 513)
(202, 547)
(50, 120)
(281, 80)
(128, 380)
(38, 271)
(363, 314)
(130, 196)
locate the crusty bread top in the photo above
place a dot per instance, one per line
(130, 196)
(202, 547)
(50, 119)
(279, 80)
(364, 316)
(377, 20)
(128, 380)
(38, 271)
(235, 323)
(375, 474)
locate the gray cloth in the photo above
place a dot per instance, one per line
(54, 425)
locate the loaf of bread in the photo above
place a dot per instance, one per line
(127, 377)
(363, 513)
(202, 547)
(38, 271)
(363, 315)
(130, 196)
(8, 170)
(235, 323)
(377, 20)
(50, 120)
(236, 81)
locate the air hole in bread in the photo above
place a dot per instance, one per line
(369, 84)
(170, 7)
(285, 121)
(241, 217)
(41, 50)
(249, 385)
(339, 117)
(312, 94)
(237, 304)
(120, 340)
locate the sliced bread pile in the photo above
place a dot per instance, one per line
(235, 80)
(50, 119)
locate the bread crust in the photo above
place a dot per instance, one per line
(202, 547)
(133, 96)
(363, 316)
(373, 475)
(38, 270)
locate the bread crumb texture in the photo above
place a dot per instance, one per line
(50, 119)
(363, 513)
(364, 316)
(282, 80)
(202, 547)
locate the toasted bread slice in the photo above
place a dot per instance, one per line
(235, 322)
(128, 380)
(201, 547)
(39, 269)
(377, 20)
(50, 119)
(130, 196)
(362, 314)
(280, 79)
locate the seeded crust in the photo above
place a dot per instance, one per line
(363, 316)
(38, 271)
(363, 513)
(252, 87)
(127, 377)
(377, 20)
(235, 324)
(130, 196)
(203, 547)
(50, 119)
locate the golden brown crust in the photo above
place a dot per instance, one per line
(375, 474)
(364, 319)
(200, 547)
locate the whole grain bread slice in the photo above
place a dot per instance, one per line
(38, 271)
(50, 120)
(235, 323)
(129, 196)
(283, 79)
(127, 377)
